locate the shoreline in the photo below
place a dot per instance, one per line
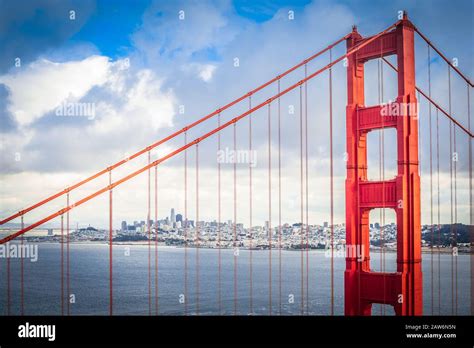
(424, 250)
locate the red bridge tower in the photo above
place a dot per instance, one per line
(402, 289)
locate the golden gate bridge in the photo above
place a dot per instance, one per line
(402, 289)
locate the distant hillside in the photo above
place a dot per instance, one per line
(446, 237)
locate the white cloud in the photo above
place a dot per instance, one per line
(138, 103)
(203, 71)
(130, 105)
(205, 25)
(145, 99)
(44, 85)
(206, 72)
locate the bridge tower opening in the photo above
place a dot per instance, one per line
(401, 289)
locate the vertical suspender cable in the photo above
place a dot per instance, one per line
(156, 240)
(455, 224)
(455, 221)
(235, 218)
(269, 211)
(451, 189)
(62, 264)
(110, 248)
(331, 171)
(250, 212)
(301, 201)
(186, 225)
(279, 205)
(471, 222)
(219, 267)
(438, 210)
(306, 184)
(8, 286)
(380, 100)
(68, 268)
(198, 242)
(149, 234)
(452, 214)
(22, 273)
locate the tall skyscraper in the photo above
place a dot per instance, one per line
(173, 216)
(179, 218)
(124, 225)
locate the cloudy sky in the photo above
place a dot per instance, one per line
(154, 67)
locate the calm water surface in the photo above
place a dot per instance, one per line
(89, 281)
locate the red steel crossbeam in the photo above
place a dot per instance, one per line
(173, 135)
(197, 140)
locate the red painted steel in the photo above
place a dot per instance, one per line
(403, 288)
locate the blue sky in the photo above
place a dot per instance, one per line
(109, 24)
(173, 63)
(102, 30)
